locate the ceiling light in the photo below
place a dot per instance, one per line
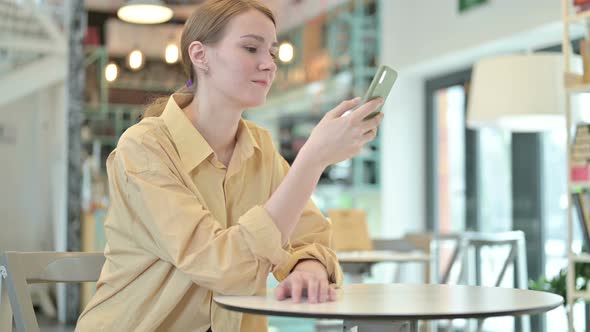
(171, 55)
(111, 71)
(286, 52)
(135, 59)
(145, 12)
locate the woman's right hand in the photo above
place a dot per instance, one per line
(337, 138)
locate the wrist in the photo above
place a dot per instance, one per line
(310, 160)
(302, 261)
(311, 265)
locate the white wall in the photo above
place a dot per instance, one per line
(28, 190)
(424, 30)
(424, 39)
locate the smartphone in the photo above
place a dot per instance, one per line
(380, 87)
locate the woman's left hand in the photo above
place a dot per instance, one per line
(308, 277)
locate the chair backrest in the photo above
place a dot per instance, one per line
(18, 269)
(399, 245)
(465, 255)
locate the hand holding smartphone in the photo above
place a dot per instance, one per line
(333, 139)
(380, 87)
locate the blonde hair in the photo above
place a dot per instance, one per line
(206, 24)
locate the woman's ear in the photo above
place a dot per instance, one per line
(197, 53)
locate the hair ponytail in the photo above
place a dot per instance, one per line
(156, 107)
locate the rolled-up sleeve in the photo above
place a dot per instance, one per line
(171, 223)
(311, 237)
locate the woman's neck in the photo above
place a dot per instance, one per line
(217, 122)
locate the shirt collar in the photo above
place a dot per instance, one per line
(192, 146)
(246, 142)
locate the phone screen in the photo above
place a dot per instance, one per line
(380, 87)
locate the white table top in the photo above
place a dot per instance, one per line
(402, 302)
(377, 256)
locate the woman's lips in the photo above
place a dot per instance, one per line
(263, 83)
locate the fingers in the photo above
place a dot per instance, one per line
(296, 289)
(369, 129)
(344, 106)
(317, 290)
(367, 108)
(323, 290)
(369, 136)
(331, 293)
(282, 291)
(371, 123)
(313, 287)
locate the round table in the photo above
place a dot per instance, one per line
(381, 307)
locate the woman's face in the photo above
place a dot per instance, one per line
(242, 65)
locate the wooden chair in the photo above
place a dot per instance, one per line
(18, 269)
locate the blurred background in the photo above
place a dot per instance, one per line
(462, 147)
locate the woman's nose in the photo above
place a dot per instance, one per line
(268, 64)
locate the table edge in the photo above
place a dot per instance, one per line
(531, 311)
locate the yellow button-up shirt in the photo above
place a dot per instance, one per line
(182, 227)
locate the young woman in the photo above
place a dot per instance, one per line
(201, 201)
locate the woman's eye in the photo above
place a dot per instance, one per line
(274, 56)
(251, 49)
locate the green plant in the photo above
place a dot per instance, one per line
(557, 284)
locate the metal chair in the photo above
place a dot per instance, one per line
(466, 256)
(18, 269)
(401, 245)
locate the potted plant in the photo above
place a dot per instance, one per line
(558, 284)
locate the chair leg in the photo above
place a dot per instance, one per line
(20, 298)
(522, 276)
(456, 257)
(479, 325)
(397, 275)
(5, 309)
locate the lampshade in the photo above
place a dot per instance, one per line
(145, 12)
(521, 93)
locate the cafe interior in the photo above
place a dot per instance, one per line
(479, 174)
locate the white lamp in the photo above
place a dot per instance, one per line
(171, 53)
(286, 52)
(521, 93)
(145, 12)
(135, 59)
(111, 72)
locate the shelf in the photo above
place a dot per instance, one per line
(585, 15)
(341, 188)
(143, 86)
(580, 258)
(574, 84)
(581, 295)
(578, 88)
(579, 186)
(305, 99)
